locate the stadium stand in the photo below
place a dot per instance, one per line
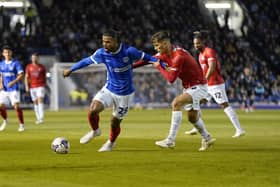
(72, 30)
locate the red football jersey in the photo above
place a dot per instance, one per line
(36, 74)
(184, 66)
(210, 56)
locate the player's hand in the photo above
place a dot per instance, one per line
(164, 66)
(156, 64)
(10, 84)
(167, 68)
(66, 73)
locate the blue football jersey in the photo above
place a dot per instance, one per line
(9, 72)
(119, 67)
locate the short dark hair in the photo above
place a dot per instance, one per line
(161, 35)
(35, 54)
(112, 33)
(202, 35)
(6, 47)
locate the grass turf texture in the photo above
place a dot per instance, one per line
(27, 160)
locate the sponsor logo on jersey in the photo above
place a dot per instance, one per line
(123, 69)
(8, 74)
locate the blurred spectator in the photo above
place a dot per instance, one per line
(259, 92)
(74, 33)
(275, 96)
(247, 85)
(30, 20)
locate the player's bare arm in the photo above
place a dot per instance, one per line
(211, 69)
(26, 82)
(19, 78)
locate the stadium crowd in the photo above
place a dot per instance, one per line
(71, 31)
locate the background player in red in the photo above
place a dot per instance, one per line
(216, 85)
(35, 82)
(182, 65)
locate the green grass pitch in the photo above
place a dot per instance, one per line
(253, 160)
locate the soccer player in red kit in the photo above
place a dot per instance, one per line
(183, 66)
(216, 84)
(35, 82)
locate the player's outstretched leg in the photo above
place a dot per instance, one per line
(114, 133)
(169, 142)
(3, 113)
(94, 123)
(235, 122)
(20, 119)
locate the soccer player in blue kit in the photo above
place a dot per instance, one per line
(118, 90)
(11, 74)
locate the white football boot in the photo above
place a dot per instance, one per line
(238, 134)
(206, 143)
(3, 126)
(193, 131)
(108, 146)
(166, 143)
(88, 136)
(21, 128)
(40, 121)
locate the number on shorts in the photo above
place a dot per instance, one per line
(122, 110)
(218, 95)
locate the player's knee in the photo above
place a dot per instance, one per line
(115, 122)
(176, 105)
(203, 101)
(224, 105)
(96, 107)
(93, 112)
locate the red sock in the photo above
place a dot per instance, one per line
(114, 133)
(3, 112)
(93, 120)
(20, 115)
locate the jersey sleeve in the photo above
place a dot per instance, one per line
(139, 63)
(176, 67)
(96, 58)
(19, 68)
(136, 55)
(211, 56)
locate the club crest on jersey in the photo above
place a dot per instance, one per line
(125, 59)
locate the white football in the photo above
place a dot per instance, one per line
(60, 145)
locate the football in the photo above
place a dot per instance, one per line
(60, 145)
